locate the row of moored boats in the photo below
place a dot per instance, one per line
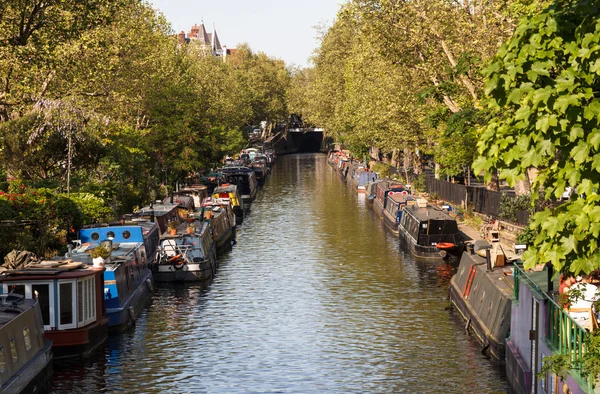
(428, 232)
(65, 306)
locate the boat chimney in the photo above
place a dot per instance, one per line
(550, 269)
(488, 259)
(69, 250)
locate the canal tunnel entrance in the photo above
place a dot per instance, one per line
(308, 142)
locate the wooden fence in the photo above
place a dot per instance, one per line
(481, 199)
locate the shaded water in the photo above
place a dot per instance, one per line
(314, 298)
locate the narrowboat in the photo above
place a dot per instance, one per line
(381, 191)
(25, 354)
(71, 300)
(245, 179)
(218, 213)
(361, 177)
(231, 192)
(542, 327)
(127, 276)
(261, 168)
(371, 190)
(197, 192)
(212, 180)
(483, 297)
(184, 203)
(394, 205)
(186, 255)
(430, 233)
(160, 213)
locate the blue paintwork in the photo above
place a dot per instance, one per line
(127, 274)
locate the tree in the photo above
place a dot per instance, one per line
(544, 90)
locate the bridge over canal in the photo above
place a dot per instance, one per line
(297, 140)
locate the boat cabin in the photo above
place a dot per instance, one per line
(70, 295)
(160, 213)
(244, 178)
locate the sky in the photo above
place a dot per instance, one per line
(284, 29)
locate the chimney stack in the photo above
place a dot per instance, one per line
(182, 37)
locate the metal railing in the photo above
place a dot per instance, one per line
(567, 337)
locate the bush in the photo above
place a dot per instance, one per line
(383, 169)
(510, 206)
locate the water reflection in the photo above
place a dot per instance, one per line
(314, 298)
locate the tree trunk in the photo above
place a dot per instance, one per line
(494, 183)
(437, 171)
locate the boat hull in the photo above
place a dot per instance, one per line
(427, 252)
(223, 244)
(124, 317)
(34, 375)
(483, 300)
(79, 342)
(378, 207)
(390, 222)
(188, 273)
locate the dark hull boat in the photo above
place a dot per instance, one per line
(187, 255)
(244, 178)
(430, 233)
(394, 205)
(218, 213)
(25, 355)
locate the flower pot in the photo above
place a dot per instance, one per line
(98, 262)
(172, 231)
(190, 230)
(208, 214)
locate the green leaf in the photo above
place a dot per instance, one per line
(594, 139)
(580, 152)
(523, 113)
(541, 68)
(575, 133)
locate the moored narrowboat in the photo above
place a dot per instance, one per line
(218, 213)
(188, 255)
(381, 191)
(127, 276)
(361, 177)
(161, 213)
(371, 190)
(231, 192)
(70, 296)
(430, 233)
(25, 354)
(483, 298)
(394, 205)
(244, 178)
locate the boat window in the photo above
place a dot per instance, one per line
(126, 234)
(13, 350)
(42, 293)
(110, 234)
(86, 301)
(27, 338)
(2, 360)
(65, 302)
(17, 289)
(95, 236)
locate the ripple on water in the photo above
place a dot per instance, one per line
(314, 298)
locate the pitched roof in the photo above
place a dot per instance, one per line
(198, 32)
(216, 43)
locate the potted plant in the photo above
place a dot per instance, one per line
(99, 254)
(191, 228)
(172, 228)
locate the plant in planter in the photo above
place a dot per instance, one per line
(191, 228)
(172, 228)
(99, 254)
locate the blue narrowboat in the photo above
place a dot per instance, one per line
(127, 275)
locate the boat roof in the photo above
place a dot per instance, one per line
(11, 306)
(158, 209)
(427, 213)
(233, 169)
(400, 198)
(226, 188)
(192, 188)
(45, 272)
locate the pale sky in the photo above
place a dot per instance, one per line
(283, 29)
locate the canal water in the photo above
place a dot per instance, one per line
(314, 298)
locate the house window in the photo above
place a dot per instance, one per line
(13, 350)
(2, 360)
(67, 306)
(27, 338)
